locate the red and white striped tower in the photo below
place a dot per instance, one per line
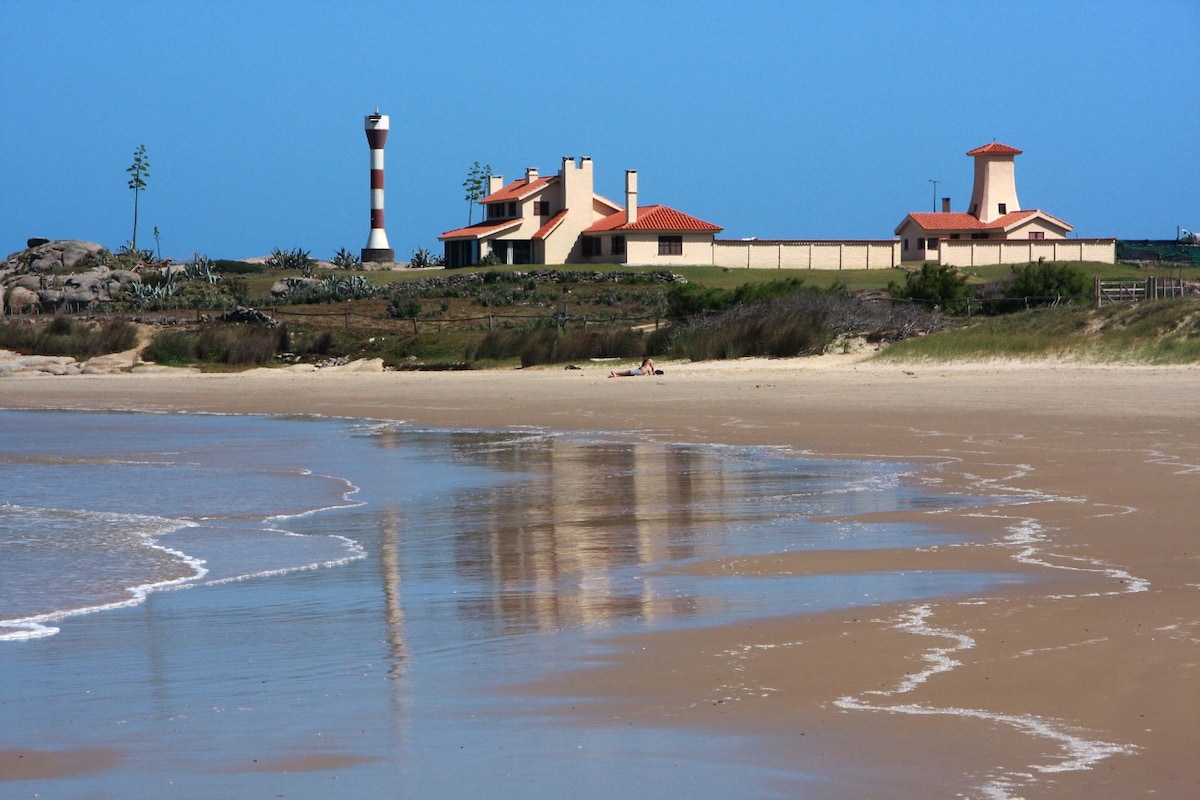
(377, 249)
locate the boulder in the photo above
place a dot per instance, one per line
(21, 299)
(285, 285)
(56, 255)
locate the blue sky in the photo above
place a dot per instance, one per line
(771, 119)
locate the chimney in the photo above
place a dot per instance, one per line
(531, 174)
(945, 205)
(495, 183)
(631, 199)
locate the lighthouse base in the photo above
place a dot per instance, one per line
(377, 255)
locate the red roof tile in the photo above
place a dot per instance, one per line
(480, 229)
(962, 221)
(654, 218)
(994, 149)
(946, 221)
(518, 189)
(550, 225)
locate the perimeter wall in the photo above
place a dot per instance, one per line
(810, 254)
(833, 254)
(985, 252)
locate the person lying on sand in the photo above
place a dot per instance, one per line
(647, 368)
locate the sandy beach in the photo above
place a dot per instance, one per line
(1080, 682)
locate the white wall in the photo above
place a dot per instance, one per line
(825, 254)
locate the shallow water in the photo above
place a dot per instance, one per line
(360, 593)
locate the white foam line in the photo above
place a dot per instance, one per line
(33, 627)
(1079, 752)
(1027, 535)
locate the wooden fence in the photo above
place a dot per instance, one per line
(1151, 288)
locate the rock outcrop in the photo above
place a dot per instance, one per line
(49, 275)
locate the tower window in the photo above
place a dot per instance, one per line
(1004, 208)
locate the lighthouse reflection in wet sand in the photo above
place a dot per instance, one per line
(377, 249)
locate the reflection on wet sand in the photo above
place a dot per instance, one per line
(561, 545)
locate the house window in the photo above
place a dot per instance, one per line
(979, 236)
(512, 209)
(591, 246)
(618, 245)
(670, 245)
(954, 236)
(1004, 208)
(921, 244)
(1037, 234)
(541, 208)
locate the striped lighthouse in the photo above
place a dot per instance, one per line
(377, 250)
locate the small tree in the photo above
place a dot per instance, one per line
(476, 186)
(138, 171)
(935, 283)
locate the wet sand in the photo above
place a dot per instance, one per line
(1080, 683)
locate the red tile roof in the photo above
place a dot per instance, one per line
(946, 221)
(962, 221)
(994, 149)
(480, 229)
(654, 218)
(550, 225)
(518, 189)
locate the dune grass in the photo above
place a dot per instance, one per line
(1157, 332)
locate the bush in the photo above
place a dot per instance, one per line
(548, 345)
(685, 300)
(228, 267)
(232, 345)
(237, 345)
(172, 348)
(804, 323)
(64, 336)
(1030, 285)
(934, 284)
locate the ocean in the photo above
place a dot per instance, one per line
(239, 605)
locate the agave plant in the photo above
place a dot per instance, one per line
(201, 269)
(345, 259)
(297, 259)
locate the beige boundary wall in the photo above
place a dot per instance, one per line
(983, 252)
(802, 254)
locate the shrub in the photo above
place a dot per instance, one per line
(684, 300)
(172, 348)
(547, 344)
(934, 284)
(803, 323)
(1030, 285)
(236, 345)
(64, 336)
(228, 267)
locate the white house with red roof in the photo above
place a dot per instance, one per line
(995, 212)
(561, 220)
